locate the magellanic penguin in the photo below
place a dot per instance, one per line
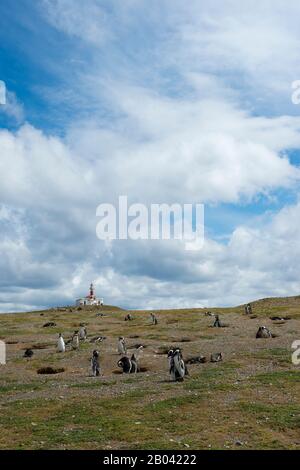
(263, 332)
(129, 366)
(178, 369)
(61, 347)
(216, 357)
(217, 323)
(82, 333)
(28, 353)
(95, 363)
(122, 345)
(75, 341)
(154, 319)
(248, 309)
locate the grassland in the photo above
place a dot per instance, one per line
(249, 401)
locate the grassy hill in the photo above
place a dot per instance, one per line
(250, 400)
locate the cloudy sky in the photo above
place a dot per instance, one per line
(162, 101)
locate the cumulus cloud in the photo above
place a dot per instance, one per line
(184, 128)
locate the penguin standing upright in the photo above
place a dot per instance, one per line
(95, 364)
(217, 323)
(154, 319)
(61, 347)
(248, 309)
(75, 341)
(122, 345)
(82, 333)
(178, 368)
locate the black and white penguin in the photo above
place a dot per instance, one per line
(208, 314)
(95, 363)
(153, 319)
(129, 366)
(122, 345)
(263, 332)
(217, 323)
(216, 357)
(177, 367)
(61, 347)
(97, 339)
(28, 353)
(248, 309)
(128, 317)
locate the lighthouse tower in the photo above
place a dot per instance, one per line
(92, 293)
(90, 299)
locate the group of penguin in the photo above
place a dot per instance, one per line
(130, 365)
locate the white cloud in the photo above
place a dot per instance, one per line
(85, 20)
(181, 128)
(12, 107)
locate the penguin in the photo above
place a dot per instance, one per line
(97, 339)
(196, 360)
(138, 352)
(154, 319)
(129, 366)
(122, 345)
(263, 332)
(177, 369)
(82, 333)
(61, 347)
(248, 309)
(128, 317)
(216, 357)
(95, 364)
(208, 314)
(28, 353)
(75, 341)
(217, 323)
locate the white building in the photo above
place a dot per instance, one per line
(90, 299)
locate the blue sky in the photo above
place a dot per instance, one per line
(163, 102)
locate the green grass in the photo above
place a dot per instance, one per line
(219, 377)
(280, 417)
(216, 405)
(280, 379)
(21, 387)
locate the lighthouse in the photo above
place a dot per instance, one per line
(92, 294)
(90, 299)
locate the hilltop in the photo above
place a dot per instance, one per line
(250, 400)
